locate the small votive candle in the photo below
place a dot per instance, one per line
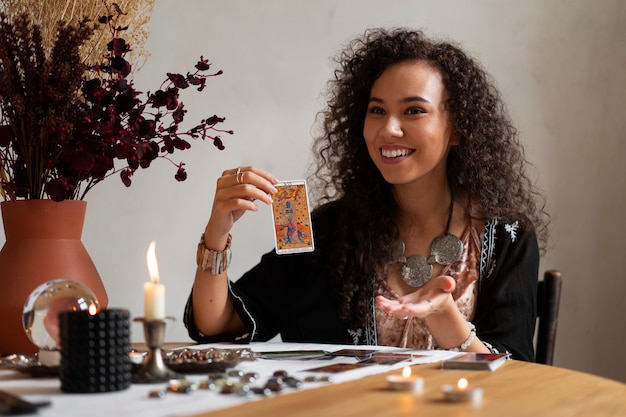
(49, 357)
(406, 382)
(462, 392)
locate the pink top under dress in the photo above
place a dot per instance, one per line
(412, 332)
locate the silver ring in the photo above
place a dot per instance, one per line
(432, 307)
(239, 176)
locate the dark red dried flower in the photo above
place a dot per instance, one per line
(203, 64)
(167, 98)
(178, 80)
(118, 47)
(181, 174)
(93, 119)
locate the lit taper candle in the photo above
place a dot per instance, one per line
(154, 293)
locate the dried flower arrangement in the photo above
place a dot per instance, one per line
(47, 13)
(64, 122)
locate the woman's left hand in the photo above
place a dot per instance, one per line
(427, 300)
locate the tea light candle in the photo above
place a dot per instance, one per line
(49, 357)
(154, 293)
(406, 382)
(462, 392)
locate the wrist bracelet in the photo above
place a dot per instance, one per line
(215, 261)
(468, 341)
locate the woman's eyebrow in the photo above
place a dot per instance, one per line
(404, 100)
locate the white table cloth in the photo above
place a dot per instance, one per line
(136, 402)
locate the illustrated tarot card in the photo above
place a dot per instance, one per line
(387, 358)
(292, 218)
(355, 353)
(294, 355)
(338, 367)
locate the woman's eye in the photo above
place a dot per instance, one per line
(376, 110)
(414, 110)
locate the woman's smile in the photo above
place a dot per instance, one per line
(394, 153)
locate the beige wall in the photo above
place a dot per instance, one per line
(561, 66)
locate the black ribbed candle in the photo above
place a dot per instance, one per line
(95, 351)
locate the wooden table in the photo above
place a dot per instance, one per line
(515, 389)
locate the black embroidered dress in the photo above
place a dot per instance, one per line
(288, 295)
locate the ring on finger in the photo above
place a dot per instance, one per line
(432, 306)
(239, 176)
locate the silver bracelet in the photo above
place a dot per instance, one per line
(469, 339)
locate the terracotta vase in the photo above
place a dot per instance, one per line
(43, 242)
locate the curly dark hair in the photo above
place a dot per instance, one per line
(487, 170)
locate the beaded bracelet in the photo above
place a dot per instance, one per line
(469, 339)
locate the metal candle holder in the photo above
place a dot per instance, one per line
(154, 369)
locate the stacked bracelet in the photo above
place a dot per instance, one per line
(216, 262)
(469, 339)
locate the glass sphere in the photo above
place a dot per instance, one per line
(41, 310)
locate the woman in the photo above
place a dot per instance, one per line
(428, 231)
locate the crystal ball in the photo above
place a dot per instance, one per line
(41, 311)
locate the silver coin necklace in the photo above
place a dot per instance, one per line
(417, 270)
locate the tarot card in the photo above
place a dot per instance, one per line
(384, 358)
(354, 353)
(337, 367)
(294, 355)
(477, 361)
(292, 218)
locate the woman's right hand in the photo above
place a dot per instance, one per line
(237, 191)
(432, 298)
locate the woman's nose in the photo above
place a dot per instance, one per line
(392, 127)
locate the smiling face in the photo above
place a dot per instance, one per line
(407, 128)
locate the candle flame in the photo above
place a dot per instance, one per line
(152, 263)
(93, 309)
(406, 372)
(462, 384)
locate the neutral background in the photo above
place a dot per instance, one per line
(560, 64)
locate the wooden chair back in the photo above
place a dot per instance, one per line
(548, 300)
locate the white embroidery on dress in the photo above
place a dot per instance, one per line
(371, 337)
(488, 248)
(490, 347)
(355, 334)
(495, 350)
(512, 229)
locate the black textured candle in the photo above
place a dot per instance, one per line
(94, 351)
